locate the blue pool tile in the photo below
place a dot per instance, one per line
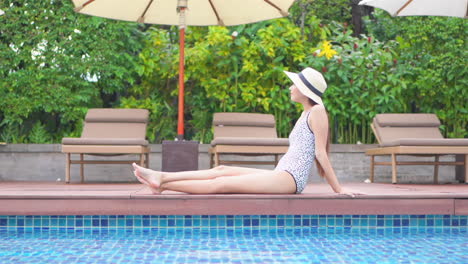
(297, 222)
(314, 222)
(138, 222)
(281, 222)
(396, 222)
(104, 223)
(222, 221)
(171, 223)
(129, 222)
(405, 222)
(322, 221)
(45, 221)
(347, 222)
(422, 223)
(179, 222)
(62, 222)
(255, 222)
(463, 222)
(273, 222)
(380, 222)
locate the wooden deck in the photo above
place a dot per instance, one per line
(40, 198)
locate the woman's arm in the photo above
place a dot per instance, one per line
(318, 122)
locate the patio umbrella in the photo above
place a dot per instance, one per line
(455, 8)
(183, 13)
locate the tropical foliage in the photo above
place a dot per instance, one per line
(55, 64)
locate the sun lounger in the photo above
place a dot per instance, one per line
(109, 132)
(415, 135)
(245, 134)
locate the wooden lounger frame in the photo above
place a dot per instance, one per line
(421, 151)
(99, 150)
(217, 151)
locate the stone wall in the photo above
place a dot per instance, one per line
(45, 162)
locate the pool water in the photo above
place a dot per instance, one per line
(235, 245)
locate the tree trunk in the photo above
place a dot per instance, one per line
(357, 13)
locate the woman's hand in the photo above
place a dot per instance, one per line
(350, 192)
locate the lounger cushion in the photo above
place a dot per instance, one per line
(426, 142)
(407, 120)
(104, 141)
(250, 141)
(107, 115)
(245, 131)
(114, 130)
(389, 134)
(243, 119)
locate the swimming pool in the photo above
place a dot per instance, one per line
(234, 239)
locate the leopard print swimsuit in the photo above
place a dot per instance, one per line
(300, 156)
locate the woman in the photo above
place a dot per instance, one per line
(308, 141)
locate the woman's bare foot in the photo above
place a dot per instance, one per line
(148, 177)
(143, 180)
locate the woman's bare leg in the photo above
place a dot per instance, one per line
(275, 182)
(156, 178)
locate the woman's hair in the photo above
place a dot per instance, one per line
(320, 169)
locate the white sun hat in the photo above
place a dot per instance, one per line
(310, 82)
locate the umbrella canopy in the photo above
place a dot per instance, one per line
(182, 13)
(456, 8)
(199, 12)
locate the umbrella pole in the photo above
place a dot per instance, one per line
(180, 123)
(181, 6)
